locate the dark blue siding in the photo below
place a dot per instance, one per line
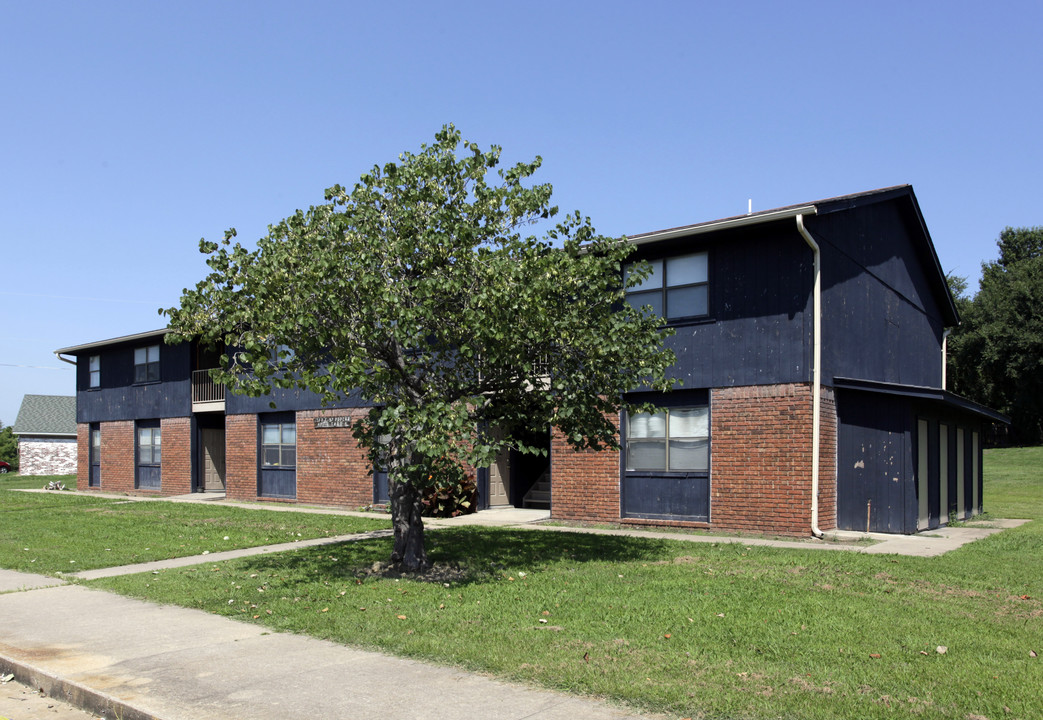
(875, 465)
(149, 477)
(119, 398)
(667, 496)
(881, 318)
(758, 331)
(284, 399)
(277, 483)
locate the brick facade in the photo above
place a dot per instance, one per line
(760, 440)
(117, 458)
(117, 461)
(177, 456)
(760, 466)
(46, 455)
(331, 467)
(585, 484)
(241, 457)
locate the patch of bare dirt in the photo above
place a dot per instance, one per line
(438, 573)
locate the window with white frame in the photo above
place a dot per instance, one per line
(279, 444)
(678, 287)
(146, 364)
(94, 371)
(673, 440)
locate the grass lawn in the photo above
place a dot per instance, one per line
(14, 481)
(691, 630)
(57, 531)
(687, 629)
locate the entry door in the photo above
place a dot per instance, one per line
(500, 480)
(213, 448)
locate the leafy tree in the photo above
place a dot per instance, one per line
(8, 445)
(419, 292)
(998, 350)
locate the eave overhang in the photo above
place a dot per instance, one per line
(79, 349)
(931, 394)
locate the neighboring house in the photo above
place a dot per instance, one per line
(839, 306)
(46, 431)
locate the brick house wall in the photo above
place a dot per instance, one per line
(83, 455)
(331, 467)
(761, 458)
(46, 455)
(117, 461)
(760, 466)
(117, 458)
(241, 457)
(584, 484)
(177, 456)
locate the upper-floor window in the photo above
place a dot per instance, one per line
(95, 371)
(677, 288)
(279, 444)
(676, 439)
(146, 364)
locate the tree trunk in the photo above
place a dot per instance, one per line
(406, 506)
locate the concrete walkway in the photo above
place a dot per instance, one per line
(120, 657)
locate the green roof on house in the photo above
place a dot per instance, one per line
(46, 415)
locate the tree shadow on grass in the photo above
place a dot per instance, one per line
(461, 555)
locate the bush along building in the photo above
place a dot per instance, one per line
(810, 345)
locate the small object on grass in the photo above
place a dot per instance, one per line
(941, 649)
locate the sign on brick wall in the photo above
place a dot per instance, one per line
(332, 422)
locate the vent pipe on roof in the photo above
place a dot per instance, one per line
(749, 206)
(816, 374)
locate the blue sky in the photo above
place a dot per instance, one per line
(129, 130)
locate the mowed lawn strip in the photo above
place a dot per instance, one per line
(58, 532)
(688, 629)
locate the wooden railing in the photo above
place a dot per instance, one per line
(205, 390)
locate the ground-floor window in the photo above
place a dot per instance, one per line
(149, 454)
(277, 474)
(676, 439)
(666, 464)
(94, 471)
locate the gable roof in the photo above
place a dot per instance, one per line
(51, 415)
(901, 195)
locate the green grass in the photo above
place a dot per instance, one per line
(691, 630)
(64, 532)
(14, 481)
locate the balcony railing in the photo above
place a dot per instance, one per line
(206, 394)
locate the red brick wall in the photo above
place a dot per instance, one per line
(584, 485)
(331, 467)
(241, 457)
(177, 456)
(117, 457)
(760, 439)
(83, 448)
(827, 461)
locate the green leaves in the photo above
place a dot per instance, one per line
(996, 355)
(418, 291)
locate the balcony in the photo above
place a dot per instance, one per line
(207, 396)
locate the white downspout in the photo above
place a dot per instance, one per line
(945, 356)
(67, 360)
(816, 374)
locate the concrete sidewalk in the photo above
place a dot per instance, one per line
(125, 658)
(120, 657)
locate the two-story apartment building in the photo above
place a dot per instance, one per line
(810, 349)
